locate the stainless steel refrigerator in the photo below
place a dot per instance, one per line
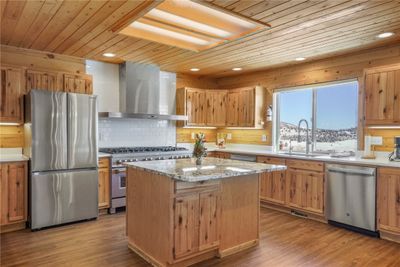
(61, 141)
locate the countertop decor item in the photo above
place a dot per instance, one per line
(199, 150)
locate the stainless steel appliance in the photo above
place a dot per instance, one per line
(351, 197)
(146, 93)
(242, 157)
(121, 155)
(61, 140)
(395, 155)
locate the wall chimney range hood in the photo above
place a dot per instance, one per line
(145, 93)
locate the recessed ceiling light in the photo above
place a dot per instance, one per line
(385, 35)
(300, 58)
(237, 69)
(194, 69)
(109, 54)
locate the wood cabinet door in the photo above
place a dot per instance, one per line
(196, 108)
(11, 95)
(209, 219)
(380, 97)
(232, 109)
(389, 199)
(81, 84)
(104, 188)
(216, 107)
(17, 189)
(272, 187)
(247, 107)
(42, 80)
(186, 225)
(306, 190)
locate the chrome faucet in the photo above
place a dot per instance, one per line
(308, 137)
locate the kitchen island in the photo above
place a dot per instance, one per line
(179, 213)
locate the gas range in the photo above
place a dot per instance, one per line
(121, 155)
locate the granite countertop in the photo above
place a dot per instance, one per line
(260, 150)
(212, 168)
(13, 158)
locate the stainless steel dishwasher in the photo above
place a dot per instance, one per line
(351, 197)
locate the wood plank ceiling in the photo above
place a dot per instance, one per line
(299, 28)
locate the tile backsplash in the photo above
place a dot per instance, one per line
(136, 132)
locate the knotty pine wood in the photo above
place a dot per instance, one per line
(184, 135)
(388, 201)
(285, 240)
(85, 29)
(11, 136)
(337, 68)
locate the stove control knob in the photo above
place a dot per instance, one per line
(119, 161)
(135, 160)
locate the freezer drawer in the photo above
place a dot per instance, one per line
(351, 197)
(62, 197)
(49, 130)
(82, 131)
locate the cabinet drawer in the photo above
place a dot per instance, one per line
(185, 187)
(306, 165)
(104, 162)
(270, 160)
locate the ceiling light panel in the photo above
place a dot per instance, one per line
(191, 25)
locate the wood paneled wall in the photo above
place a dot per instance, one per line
(330, 69)
(184, 135)
(13, 136)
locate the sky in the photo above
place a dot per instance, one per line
(336, 106)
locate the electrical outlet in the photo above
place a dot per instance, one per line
(264, 138)
(376, 140)
(101, 136)
(229, 136)
(193, 135)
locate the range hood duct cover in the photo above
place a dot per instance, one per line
(146, 93)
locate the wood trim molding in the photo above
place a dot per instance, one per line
(135, 14)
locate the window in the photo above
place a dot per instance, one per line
(330, 110)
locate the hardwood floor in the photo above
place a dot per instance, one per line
(285, 241)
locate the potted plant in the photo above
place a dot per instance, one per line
(199, 150)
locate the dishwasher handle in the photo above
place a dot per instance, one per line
(370, 172)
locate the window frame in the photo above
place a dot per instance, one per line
(276, 115)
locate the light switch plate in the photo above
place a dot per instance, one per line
(264, 138)
(193, 135)
(376, 140)
(229, 136)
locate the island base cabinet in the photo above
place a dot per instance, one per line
(196, 223)
(173, 223)
(389, 203)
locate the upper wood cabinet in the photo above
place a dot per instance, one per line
(232, 108)
(81, 84)
(195, 107)
(242, 107)
(43, 80)
(216, 107)
(389, 201)
(12, 90)
(382, 95)
(13, 192)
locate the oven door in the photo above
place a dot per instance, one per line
(118, 187)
